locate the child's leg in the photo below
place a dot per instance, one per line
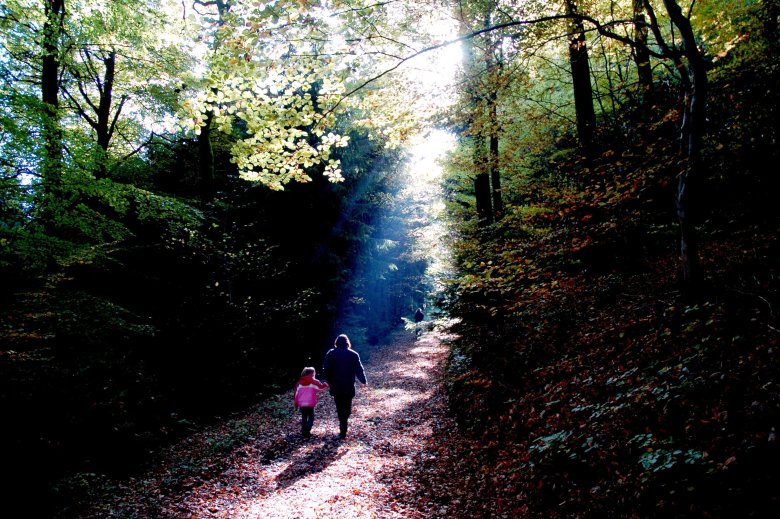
(303, 419)
(311, 419)
(307, 420)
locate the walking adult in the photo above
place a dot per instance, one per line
(341, 368)
(418, 318)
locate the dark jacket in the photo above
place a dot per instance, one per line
(340, 369)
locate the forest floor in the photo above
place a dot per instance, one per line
(398, 459)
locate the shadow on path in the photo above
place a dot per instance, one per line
(315, 460)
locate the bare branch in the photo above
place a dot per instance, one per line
(139, 148)
(112, 126)
(85, 96)
(601, 28)
(81, 111)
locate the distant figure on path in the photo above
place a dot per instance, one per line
(341, 367)
(418, 317)
(306, 398)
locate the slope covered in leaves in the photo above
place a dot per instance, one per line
(594, 384)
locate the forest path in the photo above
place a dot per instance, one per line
(275, 473)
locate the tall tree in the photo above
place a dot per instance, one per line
(494, 79)
(481, 100)
(206, 168)
(119, 56)
(580, 73)
(101, 120)
(51, 167)
(687, 60)
(482, 194)
(695, 83)
(641, 53)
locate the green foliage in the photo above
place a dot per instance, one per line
(658, 456)
(134, 309)
(91, 321)
(579, 363)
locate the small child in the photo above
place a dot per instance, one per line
(306, 398)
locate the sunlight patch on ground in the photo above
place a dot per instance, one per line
(394, 402)
(403, 369)
(421, 351)
(328, 478)
(278, 474)
(337, 491)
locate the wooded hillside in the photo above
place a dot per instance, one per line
(599, 371)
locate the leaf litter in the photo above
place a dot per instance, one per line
(398, 461)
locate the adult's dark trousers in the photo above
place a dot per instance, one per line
(343, 410)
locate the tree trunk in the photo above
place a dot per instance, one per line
(641, 54)
(495, 171)
(105, 125)
(493, 155)
(476, 123)
(206, 169)
(50, 86)
(482, 182)
(51, 132)
(691, 137)
(583, 91)
(104, 106)
(772, 35)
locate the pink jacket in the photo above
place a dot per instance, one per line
(306, 391)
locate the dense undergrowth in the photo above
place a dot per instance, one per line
(597, 386)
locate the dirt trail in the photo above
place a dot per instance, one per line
(278, 474)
